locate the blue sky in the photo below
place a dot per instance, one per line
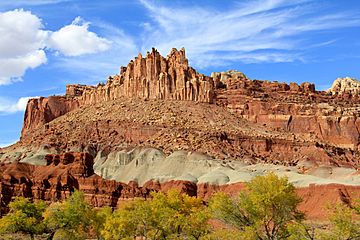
(45, 44)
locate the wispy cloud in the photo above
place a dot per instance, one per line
(16, 3)
(277, 28)
(247, 32)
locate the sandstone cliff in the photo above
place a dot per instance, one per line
(40, 111)
(330, 118)
(152, 77)
(333, 119)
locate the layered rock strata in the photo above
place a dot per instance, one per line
(163, 103)
(171, 126)
(40, 111)
(332, 119)
(66, 172)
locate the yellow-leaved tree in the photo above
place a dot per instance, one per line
(70, 219)
(263, 211)
(25, 216)
(166, 216)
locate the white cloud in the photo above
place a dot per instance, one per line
(7, 106)
(123, 48)
(75, 39)
(251, 31)
(21, 43)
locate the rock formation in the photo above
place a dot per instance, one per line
(347, 85)
(152, 77)
(291, 107)
(40, 111)
(326, 121)
(295, 108)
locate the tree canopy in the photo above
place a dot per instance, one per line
(166, 216)
(70, 219)
(24, 216)
(265, 209)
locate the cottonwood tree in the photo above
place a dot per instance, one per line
(100, 215)
(264, 209)
(70, 219)
(345, 222)
(166, 216)
(25, 216)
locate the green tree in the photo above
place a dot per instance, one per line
(99, 218)
(304, 231)
(24, 216)
(230, 234)
(70, 219)
(266, 208)
(345, 223)
(127, 221)
(166, 216)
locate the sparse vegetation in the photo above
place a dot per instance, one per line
(267, 209)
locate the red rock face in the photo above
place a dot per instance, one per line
(233, 117)
(154, 77)
(40, 111)
(69, 171)
(298, 109)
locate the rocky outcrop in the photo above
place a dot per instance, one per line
(176, 125)
(66, 172)
(87, 139)
(347, 85)
(154, 77)
(77, 90)
(228, 78)
(40, 111)
(329, 117)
